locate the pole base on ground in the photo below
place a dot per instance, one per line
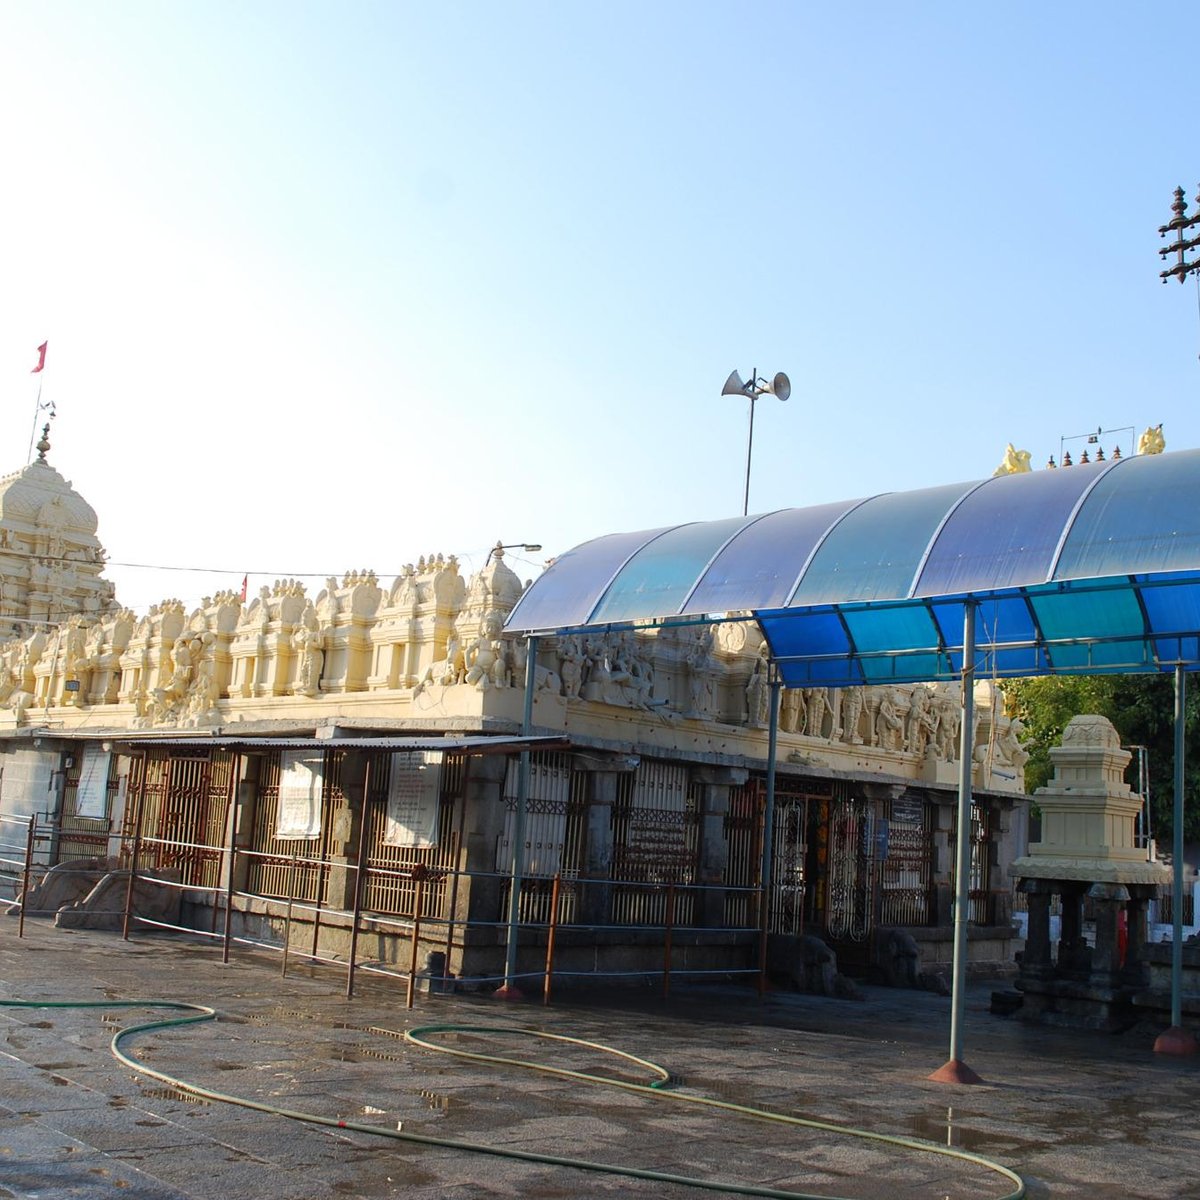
(1175, 1040)
(508, 991)
(955, 1071)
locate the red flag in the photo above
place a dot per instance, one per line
(41, 358)
(245, 580)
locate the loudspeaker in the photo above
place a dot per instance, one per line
(734, 385)
(781, 385)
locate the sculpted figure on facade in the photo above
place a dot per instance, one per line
(816, 708)
(699, 668)
(544, 679)
(791, 710)
(448, 671)
(851, 718)
(758, 694)
(485, 658)
(570, 666)
(920, 723)
(309, 645)
(1008, 749)
(889, 727)
(948, 706)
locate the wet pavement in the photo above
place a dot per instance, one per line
(1076, 1114)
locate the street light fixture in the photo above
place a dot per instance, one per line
(780, 387)
(529, 547)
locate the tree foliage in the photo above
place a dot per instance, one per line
(1141, 707)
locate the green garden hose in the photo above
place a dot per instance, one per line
(419, 1037)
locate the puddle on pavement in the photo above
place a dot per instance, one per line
(40, 1025)
(948, 1131)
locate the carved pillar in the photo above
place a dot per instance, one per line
(715, 784)
(480, 887)
(347, 829)
(1109, 899)
(943, 848)
(1074, 954)
(595, 869)
(1036, 962)
(245, 803)
(1136, 972)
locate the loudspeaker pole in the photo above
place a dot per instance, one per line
(780, 387)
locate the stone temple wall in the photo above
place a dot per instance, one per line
(425, 651)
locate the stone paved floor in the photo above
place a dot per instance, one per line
(1077, 1114)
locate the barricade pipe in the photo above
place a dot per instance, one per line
(287, 923)
(550, 936)
(137, 849)
(670, 921)
(231, 852)
(359, 872)
(418, 876)
(25, 876)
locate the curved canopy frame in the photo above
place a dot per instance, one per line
(1083, 570)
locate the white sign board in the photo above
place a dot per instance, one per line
(91, 796)
(300, 783)
(414, 794)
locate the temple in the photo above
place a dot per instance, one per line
(297, 761)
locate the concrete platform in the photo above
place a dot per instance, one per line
(1077, 1114)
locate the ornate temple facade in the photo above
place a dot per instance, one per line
(189, 725)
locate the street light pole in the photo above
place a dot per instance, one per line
(779, 387)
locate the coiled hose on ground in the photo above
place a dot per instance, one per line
(657, 1089)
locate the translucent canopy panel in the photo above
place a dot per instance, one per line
(1092, 568)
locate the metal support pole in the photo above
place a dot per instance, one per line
(1177, 1040)
(667, 940)
(749, 452)
(287, 923)
(29, 838)
(231, 852)
(509, 990)
(360, 870)
(955, 1070)
(551, 936)
(768, 845)
(419, 873)
(137, 847)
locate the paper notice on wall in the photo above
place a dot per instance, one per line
(301, 775)
(414, 796)
(91, 796)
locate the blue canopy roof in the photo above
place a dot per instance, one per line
(1089, 569)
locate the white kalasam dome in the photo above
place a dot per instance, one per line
(24, 494)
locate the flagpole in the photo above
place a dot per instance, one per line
(37, 405)
(37, 408)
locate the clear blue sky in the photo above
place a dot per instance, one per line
(330, 286)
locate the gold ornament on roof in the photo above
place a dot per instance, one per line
(1015, 462)
(1152, 441)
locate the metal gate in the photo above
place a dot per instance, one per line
(852, 867)
(788, 858)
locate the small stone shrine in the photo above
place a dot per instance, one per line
(1088, 852)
